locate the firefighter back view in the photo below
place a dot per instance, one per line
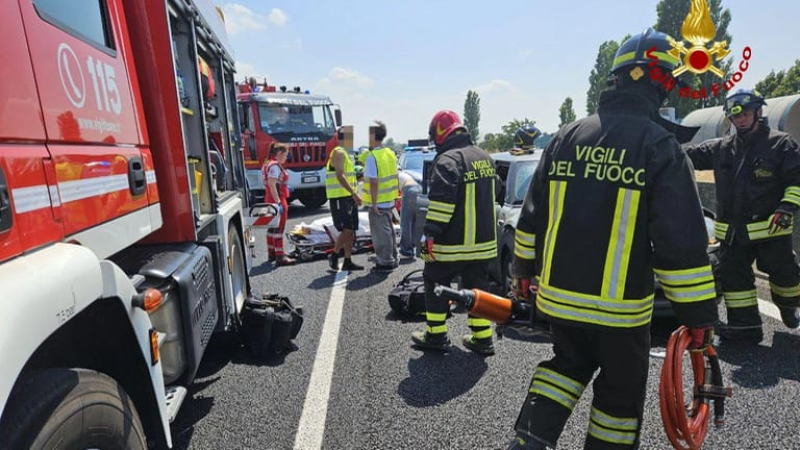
(757, 179)
(460, 235)
(612, 201)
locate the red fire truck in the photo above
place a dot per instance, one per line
(308, 124)
(122, 216)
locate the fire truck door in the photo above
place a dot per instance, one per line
(80, 53)
(27, 218)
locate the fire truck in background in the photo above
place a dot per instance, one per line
(122, 216)
(308, 124)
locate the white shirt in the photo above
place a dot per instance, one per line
(371, 171)
(275, 172)
(406, 180)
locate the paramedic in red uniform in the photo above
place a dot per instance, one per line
(276, 180)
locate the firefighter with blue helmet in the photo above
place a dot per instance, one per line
(526, 136)
(757, 181)
(612, 201)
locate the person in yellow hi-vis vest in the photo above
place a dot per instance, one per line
(380, 193)
(340, 187)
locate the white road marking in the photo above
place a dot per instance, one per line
(769, 309)
(311, 429)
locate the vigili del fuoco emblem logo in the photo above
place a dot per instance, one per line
(698, 29)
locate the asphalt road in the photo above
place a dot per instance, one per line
(372, 390)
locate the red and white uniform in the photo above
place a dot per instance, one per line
(273, 170)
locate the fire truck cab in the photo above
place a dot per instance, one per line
(122, 223)
(307, 124)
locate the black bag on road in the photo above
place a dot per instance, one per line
(407, 297)
(270, 324)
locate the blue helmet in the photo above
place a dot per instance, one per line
(634, 53)
(743, 100)
(525, 136)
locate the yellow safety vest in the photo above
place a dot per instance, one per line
(334, 189)
(386, 162)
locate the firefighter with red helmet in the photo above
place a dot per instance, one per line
(276, 181)
(612, 201)
(757, 178)
(460, 236)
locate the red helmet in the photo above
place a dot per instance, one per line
(443, 124)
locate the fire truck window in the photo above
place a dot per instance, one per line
(244, 116)
(86, 19)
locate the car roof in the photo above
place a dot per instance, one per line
(535, 155)
(418, 151)
(430, 155)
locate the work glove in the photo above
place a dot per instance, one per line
(426, 249)
(702, 338)
(781, 220)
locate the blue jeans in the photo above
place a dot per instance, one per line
(408, 215)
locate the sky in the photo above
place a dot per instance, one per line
(401, 61)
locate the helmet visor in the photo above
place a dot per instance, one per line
(736, 105)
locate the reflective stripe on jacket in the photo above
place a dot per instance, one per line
(386, 163)
(334, 189)
(612, 201)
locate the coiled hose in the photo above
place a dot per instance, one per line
(687, 427)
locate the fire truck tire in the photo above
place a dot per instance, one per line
(71, 408)
(239, 272)
(313, 198)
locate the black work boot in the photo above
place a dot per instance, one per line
(790, 317)
(425, 341)
(524, 443)
(483, 347)
(350, 265)
(284, 260)
(743, 333)
(333, 261)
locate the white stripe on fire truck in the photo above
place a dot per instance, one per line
(43, 196)
(29, 199)
(91, 187)
(55, 198)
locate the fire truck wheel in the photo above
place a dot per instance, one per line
(239, 272)
(313, 198)
(68, 408)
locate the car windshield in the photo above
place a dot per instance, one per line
(414, 161)
(522, 179)
(296, 119)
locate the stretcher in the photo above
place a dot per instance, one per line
(316, 239)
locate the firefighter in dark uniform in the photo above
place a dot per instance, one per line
(612, 201)
(460, 237)
(757, 176)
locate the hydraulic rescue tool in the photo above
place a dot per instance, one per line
(509, 312)
(687, 428)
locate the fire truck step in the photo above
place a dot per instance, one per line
(175, 397)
